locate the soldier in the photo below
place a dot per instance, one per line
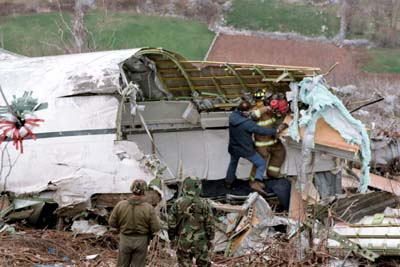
(153, 195)
(137, 223)
(191, 221)
(269, 147)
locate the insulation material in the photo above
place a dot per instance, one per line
(322, 103)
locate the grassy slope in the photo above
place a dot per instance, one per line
(274, 15)
(27, 35)
(124, 30)
(383, 61)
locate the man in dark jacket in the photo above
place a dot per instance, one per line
(241, 145)
(137, 222)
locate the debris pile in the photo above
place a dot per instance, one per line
(29, 247)
(178, 110)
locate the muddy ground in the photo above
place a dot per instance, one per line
(254, 49)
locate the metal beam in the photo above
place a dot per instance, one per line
(239, 78)
(174, 60)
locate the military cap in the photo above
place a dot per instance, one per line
(139, 187)
(191, 186)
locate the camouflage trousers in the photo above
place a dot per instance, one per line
(132, 251)
(198, 250)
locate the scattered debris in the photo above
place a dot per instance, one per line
(158, 116)
(85, 227)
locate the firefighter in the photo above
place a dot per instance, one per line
(241, 130)
(269, 147)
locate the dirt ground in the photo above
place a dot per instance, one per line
(253, 49)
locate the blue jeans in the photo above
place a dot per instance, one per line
(256, 159)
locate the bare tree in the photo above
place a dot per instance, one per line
(345, 12)
(78, 29)
(1, 39)
(384, 14)
(79, 32)
(395, 13)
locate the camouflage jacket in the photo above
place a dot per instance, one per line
(191, 220)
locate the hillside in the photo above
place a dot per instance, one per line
(183, 26)
(49, 34)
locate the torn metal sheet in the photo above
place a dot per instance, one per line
(75, 155)
(85, 227)
(8, 55)
(379, 233)
(351, 209)
(259, 229)
(384, 150)
(246, 229)
(200, 153)
(29, 200)
(65, 75)
(328, 183)
(345, 243)
(75, 169)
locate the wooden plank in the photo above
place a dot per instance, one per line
(382, 183)
(228, 207)
(296, 206)
(327, 136)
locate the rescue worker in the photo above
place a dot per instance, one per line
(241, 130)
(191, 222)
(137, 224)
(269, 147)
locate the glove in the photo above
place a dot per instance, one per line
(281, 128)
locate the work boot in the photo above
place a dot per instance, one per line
(258, 186)
(228, 184)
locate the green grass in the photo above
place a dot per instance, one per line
(275, 15)
(31, 35)
(383, 61)
(125, 30)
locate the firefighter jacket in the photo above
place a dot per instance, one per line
(241, 130)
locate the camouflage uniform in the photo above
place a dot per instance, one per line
(153, 194)
(137, 222)
(191, 222)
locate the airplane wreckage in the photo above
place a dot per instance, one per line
(98, 120)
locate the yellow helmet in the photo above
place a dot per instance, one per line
(259, 94)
